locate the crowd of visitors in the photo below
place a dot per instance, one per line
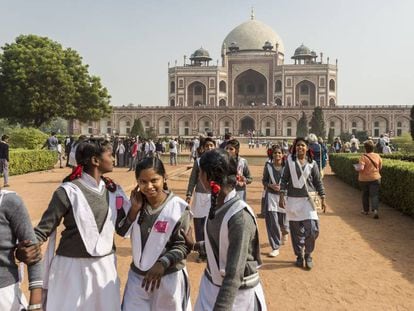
(81, 273)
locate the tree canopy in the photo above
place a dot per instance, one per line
(137, 129)
(40, 81)
(302, 129)
(317, 124)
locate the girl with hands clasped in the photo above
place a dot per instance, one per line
(156, 223)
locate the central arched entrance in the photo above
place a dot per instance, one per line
(250, 89)
(247, 125)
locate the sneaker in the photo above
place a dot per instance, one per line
(308, 262)
(376, 214)
(274, 253)
(364, 212)
(6, 185)
(299, 262)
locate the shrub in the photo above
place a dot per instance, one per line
(27, 138)
(25, 161)
(409, 157)
(397, 180)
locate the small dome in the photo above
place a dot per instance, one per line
(201, 53)
(302, 51)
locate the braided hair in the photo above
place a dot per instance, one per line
(221, 171)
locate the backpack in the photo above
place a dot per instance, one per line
(171, 145)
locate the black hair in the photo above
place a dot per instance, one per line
(220, 168)
(4, 137)
(309, 155)
(272, 151)
(208, 140)
(154, 163)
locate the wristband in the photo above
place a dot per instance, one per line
(35, 307)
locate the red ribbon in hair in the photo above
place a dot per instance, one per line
(76, 173)
(215, 187)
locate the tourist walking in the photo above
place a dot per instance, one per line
(243, 173)
(15, 226)
(230, 280)
(369, 178)
(51, 142)
(157, 279)
(173, 151)
(275, 217)
(4, 159)
(301, 183)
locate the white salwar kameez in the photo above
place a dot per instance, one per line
(174, 292)
(12, 298)
(90, 283)
(245, 298)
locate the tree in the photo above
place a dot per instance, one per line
(137, 129)
(412, 122)
(302, 130)
(40, 81)
(317, 124)
(331, 135)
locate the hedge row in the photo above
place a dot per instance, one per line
(26, 161)
(399, 156)
(397, 180)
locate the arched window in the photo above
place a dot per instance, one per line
(354, 124)
(332, 102)
(332, 85)
(278, 86)
(198, 90)
(222, 103)
(305, 103)
(222, 86)
(128, 123)
(278, 102)
(304, 89)
(399, 124)
(172, 102)
(172, 87)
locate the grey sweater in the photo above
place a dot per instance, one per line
(243, 255)
(194, 181)
(313, 182)
(15, 226)
(175, 252)
(71, 244)
(277, 174)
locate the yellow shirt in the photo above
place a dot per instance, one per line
(370, 172)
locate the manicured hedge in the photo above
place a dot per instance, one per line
(397, 182)
(24, 161)
(399, 156)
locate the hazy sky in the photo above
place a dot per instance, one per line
(129, 43)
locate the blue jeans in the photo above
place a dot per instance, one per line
(370, 193)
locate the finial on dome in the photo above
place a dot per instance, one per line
(252, 14)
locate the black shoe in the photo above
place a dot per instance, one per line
(299, 262)
(308, 262)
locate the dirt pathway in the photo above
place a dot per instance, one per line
(360, 263)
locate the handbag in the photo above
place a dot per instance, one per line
(313, 196)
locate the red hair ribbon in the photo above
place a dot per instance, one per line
(215, 187)
(76, 173)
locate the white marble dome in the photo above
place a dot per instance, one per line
(252, 35)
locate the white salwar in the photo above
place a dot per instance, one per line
(12, 298)
(92, 283)
(200, 205)
(173, 293)
(245, 298)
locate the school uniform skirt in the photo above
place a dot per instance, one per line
(83, 284)
(12, 298)
(246, 299)
(172, 295)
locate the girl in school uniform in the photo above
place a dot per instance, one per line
(15, 225)
(156, 223)
(301, 178)
(200, 205)
(82, 275)
(243, 173)
(231, 279)
(275, 217)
